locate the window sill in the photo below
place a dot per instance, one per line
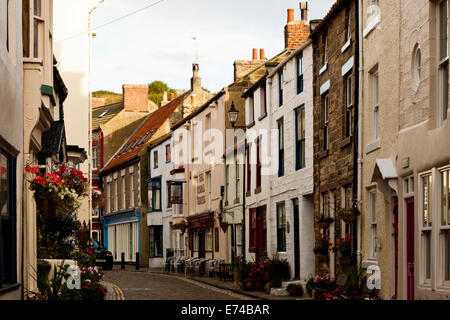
(346, 45)
(371, 27)
(9, 288)
(323, 69)
(373, 147)
(258, 190)
(346, 142)
(250, 125)
(262, 117)
(322, 155)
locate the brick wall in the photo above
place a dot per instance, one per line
(135, 97)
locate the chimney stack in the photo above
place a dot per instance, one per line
(172, 96)
(196, 81)
(304, 10)
(255, 54)
(135, 97)
(296, 33)
(262, 54)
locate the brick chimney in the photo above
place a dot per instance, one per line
(296, 33)
(135, 97)
(243, 67)
(98, 103)
(172, 96)
(262, 54)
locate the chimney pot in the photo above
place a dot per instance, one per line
(290, 17)
(172, 96)
(262, 54)
(304, 10)
(255, 54)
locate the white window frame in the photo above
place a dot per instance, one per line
(124, 192)
(428, 229)
(132, 190)
(116, 194)
(238, 179)
(326, 110)
(444, 225)
(373, 224)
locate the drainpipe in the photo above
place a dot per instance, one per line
(359, 14)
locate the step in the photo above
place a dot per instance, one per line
(279, 292)
(285, 284)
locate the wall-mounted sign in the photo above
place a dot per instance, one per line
(406, 162)
(176, 193)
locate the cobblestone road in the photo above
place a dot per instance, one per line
(151, 286)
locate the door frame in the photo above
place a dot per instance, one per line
(410, 252)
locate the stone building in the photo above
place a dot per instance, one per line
(125, 214)
(335, 43)
(268, 179)
(11, 151)
(424, 152)
(379, 109)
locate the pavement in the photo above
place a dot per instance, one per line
(156, 284)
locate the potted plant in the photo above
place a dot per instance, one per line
(344, 247)
(348, 215)
(325, 222)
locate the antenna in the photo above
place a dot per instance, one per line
(196, 49)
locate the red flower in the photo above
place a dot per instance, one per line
(63, 168)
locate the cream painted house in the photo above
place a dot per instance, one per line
(423, 164)
(11, 151)
(380, 116)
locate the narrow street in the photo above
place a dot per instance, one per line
(151, 286)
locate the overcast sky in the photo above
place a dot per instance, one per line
(156, 44)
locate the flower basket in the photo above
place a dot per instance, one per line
(348, 215)
(324, 223)
(46, 207)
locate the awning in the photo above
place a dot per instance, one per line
(202, 220)
(385, 175)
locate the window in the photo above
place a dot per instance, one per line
(280, 148)
(38, 29)
(280, 88)
(300, 135)
(8, 252)
(169, 191)
(168, 154)
(108, 197)
(325, 204)
(216, 239)
(209, 240)
(263, 100)
(445, 224)
(249, 172)
(426, 227)
(348, 33)
(154, 195)
(251, 111)
(132, 190)
(209, 186)
(124, 192)
(300, 73)
(258, 164)
(116, 195)
(95, 162)
(443, 58)
(348, 204)
(155, 159)
(417, 66)
(281, 227)
(375, 106)
(156, 241)
(196, 240)
(348, 106)
(373, 223)
(325, 50)
(325, 111)
(227, 183)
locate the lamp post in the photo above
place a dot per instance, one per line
(233, 116)
(90, 115)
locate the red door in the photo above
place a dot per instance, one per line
(410, 248)
(261, 232)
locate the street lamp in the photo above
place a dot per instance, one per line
(233, 115)
(90, 115)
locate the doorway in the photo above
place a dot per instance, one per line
(296, 238)
(201, 244)
(410, 248)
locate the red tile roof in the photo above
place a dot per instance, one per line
(144, 133)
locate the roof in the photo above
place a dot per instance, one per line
(131, 148)
(52, 139)
(103, 114)
(275, 61)
(293, 54)
(337, 6)
(160, 141)
(198, 110)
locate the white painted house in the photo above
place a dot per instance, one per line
(279, 111)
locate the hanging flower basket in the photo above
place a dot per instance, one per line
(348, 215)
(183, 225)
(46, 207)
(325, 222)
(323, 245)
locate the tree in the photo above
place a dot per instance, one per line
(156, 90)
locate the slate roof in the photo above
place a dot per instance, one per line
(99, 116)
(144, 133)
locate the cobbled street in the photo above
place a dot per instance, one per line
(151, 286)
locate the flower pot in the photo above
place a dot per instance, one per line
(249, 285)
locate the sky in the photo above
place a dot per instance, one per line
(157, 43)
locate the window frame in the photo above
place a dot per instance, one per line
(300, 139)
(153, 251)
(154, 185)
(443, 60)
(444, 227)
(373, 224)
(155, 159)
(426, 229)
(281, 141)
(280, 87)
(299, 65)
(348, 105)
(281, 227)
(263, 100)
(168, 153)
(375, 105)
(325, 109)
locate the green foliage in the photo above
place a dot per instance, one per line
(156, 91)
(356, 281)
(110, 97)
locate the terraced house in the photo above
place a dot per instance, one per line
(336, 79)
(279, 219)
